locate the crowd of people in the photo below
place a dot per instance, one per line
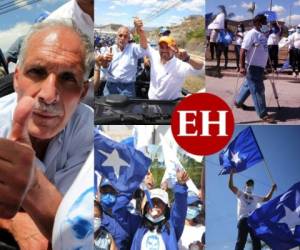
(256, 53)
(219, 40)
(117, 65)
(145, 217)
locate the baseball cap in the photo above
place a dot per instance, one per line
(164, 30)
(105, 182)
(192, 198)
(168, 40)
(160, 194)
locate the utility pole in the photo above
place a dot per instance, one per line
(271, 4)
(290, 17)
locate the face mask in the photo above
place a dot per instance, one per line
(192, 212)
(264, 28)
(298, 31)
(249, 190)
(97, 223)
(108, 200)
(155, 220)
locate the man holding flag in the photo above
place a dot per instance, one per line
(242, 153)
(247, 203)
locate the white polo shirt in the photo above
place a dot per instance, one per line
(247, 203)
(123, 67)
(167, 79)
(256, 55)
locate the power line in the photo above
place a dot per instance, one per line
(12, 8)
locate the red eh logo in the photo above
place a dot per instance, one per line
(202, 124)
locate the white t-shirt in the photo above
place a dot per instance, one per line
(295, 40)
(190, 235)
(239, 38)
(213, 36)
(273, 39)
(153, 241)
(72, 10)
(167, 79)
(247, 204)
(256, 42)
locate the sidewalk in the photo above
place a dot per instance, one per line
(287, 86)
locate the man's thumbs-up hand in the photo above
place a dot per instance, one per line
(19, 131)
(17, 170)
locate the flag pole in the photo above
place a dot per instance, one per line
(269, 172)
(266, 165)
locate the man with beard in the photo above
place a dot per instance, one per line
(169, 67)
(46, 133)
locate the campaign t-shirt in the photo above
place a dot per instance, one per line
(153, 241)
(256, 45)
(247, 203)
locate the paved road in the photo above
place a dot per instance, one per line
(289, 99)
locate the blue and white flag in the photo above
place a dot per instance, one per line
(277, 222)
(271, 16)
(124, 166)
(242, 153)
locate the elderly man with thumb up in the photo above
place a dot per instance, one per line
(46, 133)
(121, 62)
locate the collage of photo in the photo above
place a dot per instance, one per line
(89, 157)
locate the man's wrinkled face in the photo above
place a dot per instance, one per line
(52, 73)
(166, 53)
(122, 37)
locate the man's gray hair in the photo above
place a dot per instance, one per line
(68, 23)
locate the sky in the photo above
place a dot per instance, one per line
(280, 148)
(17, 22)
(123, 11)
(239, 8)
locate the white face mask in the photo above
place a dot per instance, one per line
(249, 190)
(155, 220)
(97, 223)
(264, 28)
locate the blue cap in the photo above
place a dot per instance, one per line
(164, 30)
(105, 182)
(192, 198)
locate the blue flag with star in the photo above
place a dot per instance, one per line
(124, 166)
(242, 153)
(277, 222)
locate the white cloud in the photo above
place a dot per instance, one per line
(295, 19)
(116, 14)
(194, 5)
(112, 7)
(233, 6)
(247, 5)
(297, 3)
(10, 35)
(278, 9)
